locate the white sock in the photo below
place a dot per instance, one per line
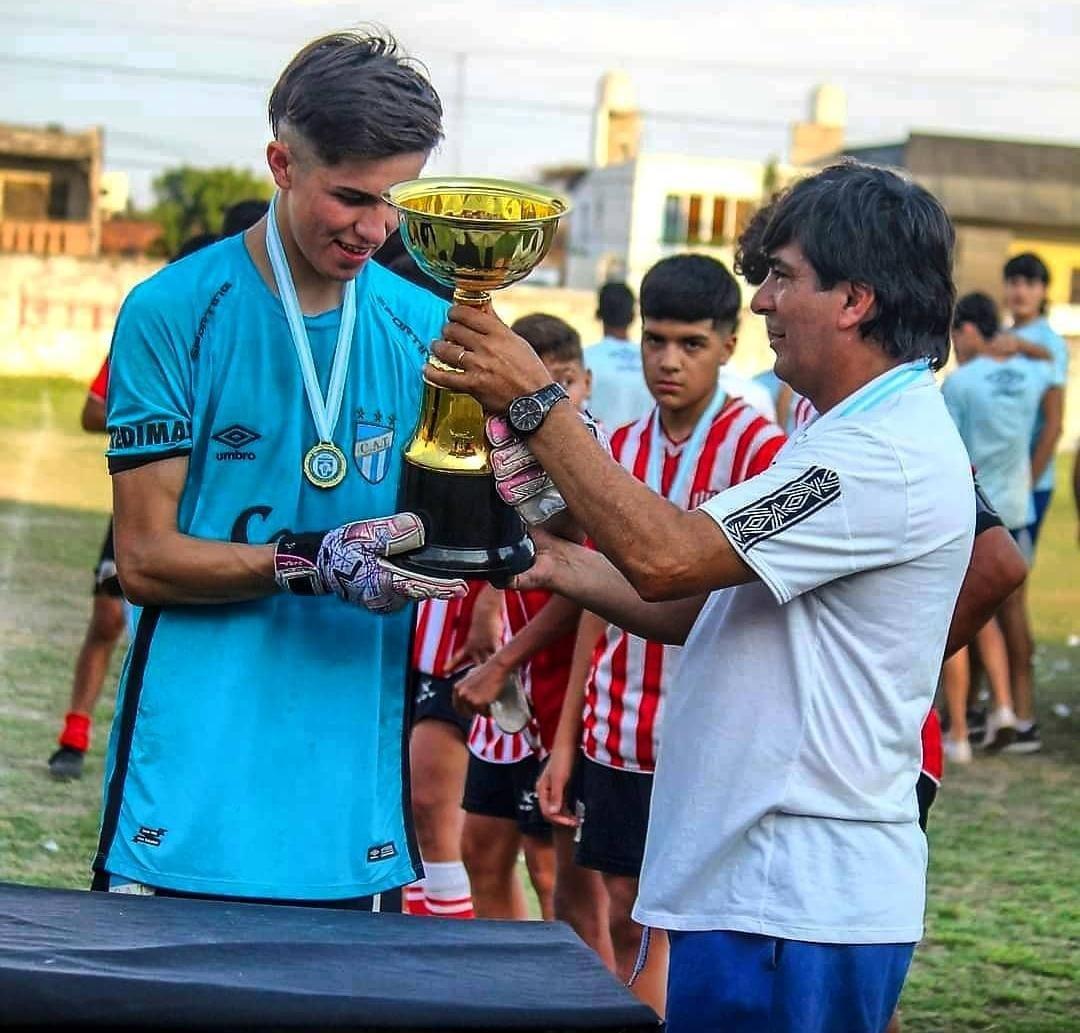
(1024, 726)
(446, 889)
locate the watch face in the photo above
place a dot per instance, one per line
(526, 414)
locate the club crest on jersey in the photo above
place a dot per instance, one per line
(372, 445)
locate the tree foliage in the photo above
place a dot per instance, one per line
(192, 200)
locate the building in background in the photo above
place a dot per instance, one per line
(632, 207)
(1004, 197)
(50, 190)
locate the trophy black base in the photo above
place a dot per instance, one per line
(469, 531)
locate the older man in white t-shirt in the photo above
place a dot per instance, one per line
(784, 854)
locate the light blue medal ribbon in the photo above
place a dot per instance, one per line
(324, 464)
(891, 383)
(654, 472)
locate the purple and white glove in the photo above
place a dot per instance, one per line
(351, 561)
(520, 480)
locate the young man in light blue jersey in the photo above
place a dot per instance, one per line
(1027, 280)
(261, 391)
(994, 401)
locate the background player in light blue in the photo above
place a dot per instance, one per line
(261, 392)
(994, 402)
(1026, 282)
(618, 393)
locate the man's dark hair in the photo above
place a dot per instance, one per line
(689, 288)
(869, 226)
(1029, 266)
(978, 308)
(615, 305)
(351, 95)
(550, 337)
(242, 215)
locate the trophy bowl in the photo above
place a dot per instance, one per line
(476, 236)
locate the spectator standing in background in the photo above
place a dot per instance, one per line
(1026, 282)
(618, 393)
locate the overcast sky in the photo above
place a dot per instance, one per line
(187, 82)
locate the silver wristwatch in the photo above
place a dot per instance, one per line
(527, 412)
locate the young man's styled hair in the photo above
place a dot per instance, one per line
(349, 95)
(550, 337)
(1029, 266)
(615, 305)
(979, 309)
(689, 288)
(869, 226)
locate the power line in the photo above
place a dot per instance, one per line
(668, 63)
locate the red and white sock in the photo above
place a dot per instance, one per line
(446, 890)
(414, 902)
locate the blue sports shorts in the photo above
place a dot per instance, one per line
(731, 982)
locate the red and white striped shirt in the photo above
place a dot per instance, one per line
(544, 679)
(804, 412)
(547, 671)
(442, 626)
(487, 741)
(625, 692)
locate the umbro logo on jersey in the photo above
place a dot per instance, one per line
(381, 852)
(148, 836)
(237, 437)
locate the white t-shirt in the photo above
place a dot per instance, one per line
(619, 395)
(784, 798)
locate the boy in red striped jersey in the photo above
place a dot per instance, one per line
(450, 635)
(695, 443)
(502, 812)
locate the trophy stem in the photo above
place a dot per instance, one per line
(474, 299)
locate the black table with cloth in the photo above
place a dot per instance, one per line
(78, 959)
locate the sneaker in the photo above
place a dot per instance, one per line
(1000, 729)
(66, 763)
(1025, 742)
(957, 751)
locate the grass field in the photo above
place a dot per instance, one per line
(1003, 930)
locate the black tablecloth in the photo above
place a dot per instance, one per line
(71, 959)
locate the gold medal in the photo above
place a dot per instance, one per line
(325, 465)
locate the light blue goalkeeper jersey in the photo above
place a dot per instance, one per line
(258, 748)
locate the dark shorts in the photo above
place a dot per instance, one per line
(614, 819)
(1041, 499)
(506, 791)
(926, 790)
(105, 580)
(388, 902)
(433, 700)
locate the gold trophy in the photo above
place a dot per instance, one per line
(476, 236)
